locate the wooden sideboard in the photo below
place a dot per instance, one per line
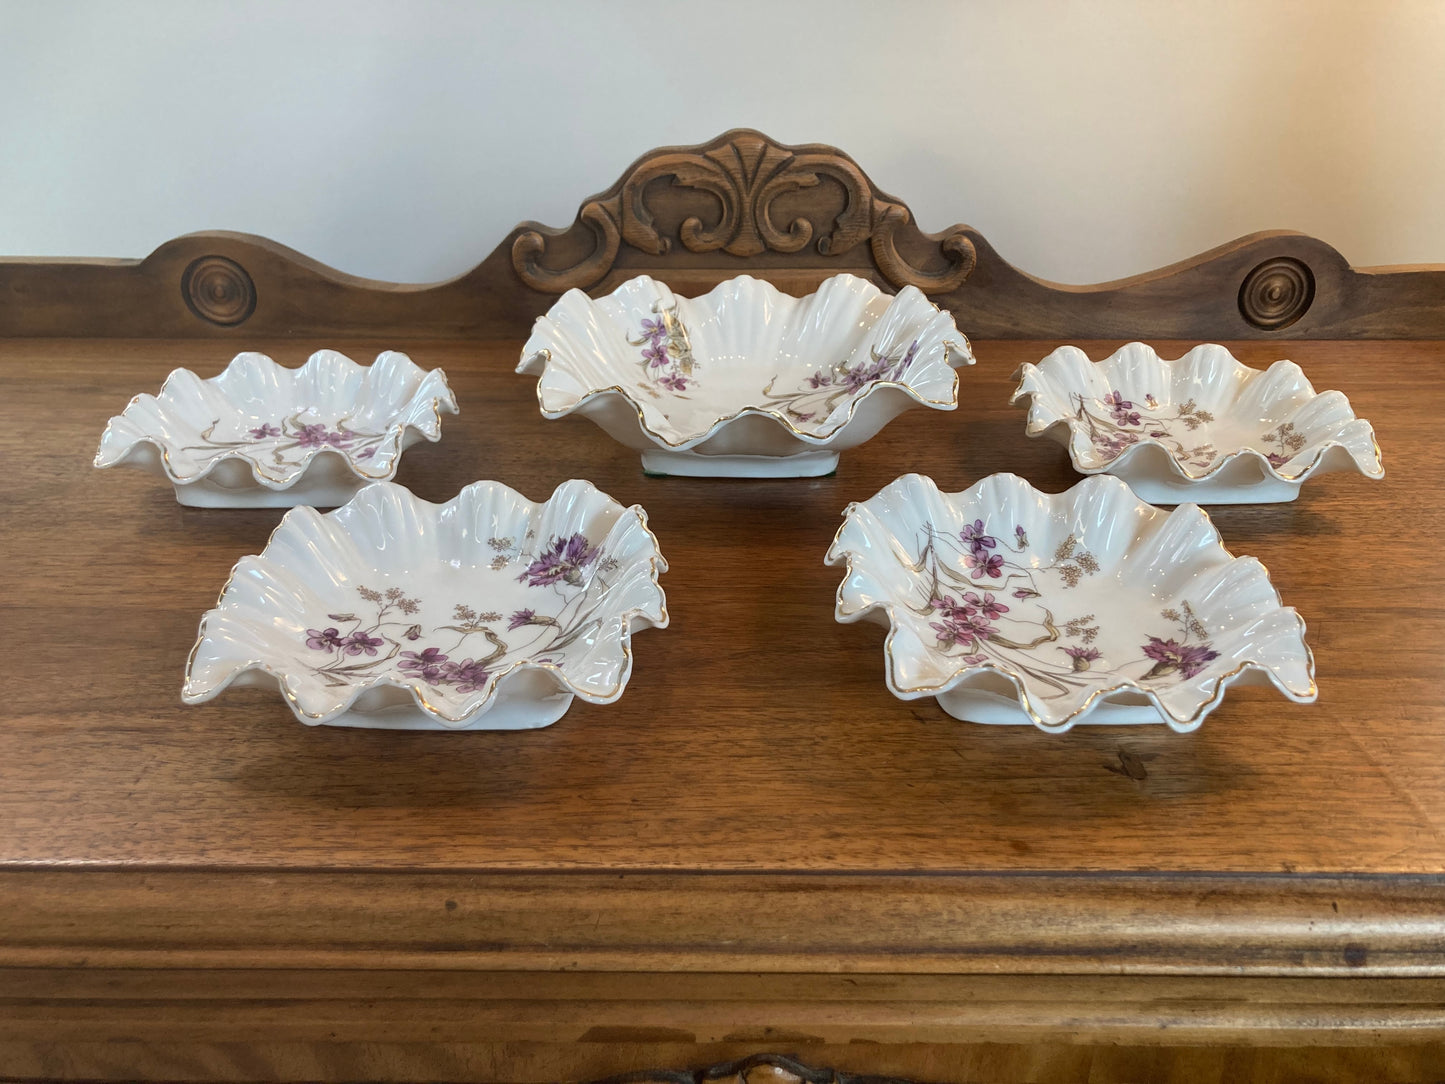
(757, 866)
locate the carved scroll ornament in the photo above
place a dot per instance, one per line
(745, 173)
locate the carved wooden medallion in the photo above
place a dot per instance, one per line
(1277, 293)
(219, 291)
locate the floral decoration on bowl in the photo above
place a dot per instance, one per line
(260, 435)
(1013, 606)
(745, 381)
(1203, 428)
(487, 612)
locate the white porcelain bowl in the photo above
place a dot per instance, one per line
(1204, 428)
(487, 612)
(1014, 606)
(745, 381)
(261, 435)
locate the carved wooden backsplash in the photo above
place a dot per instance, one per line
(728, 195)
(694, 216)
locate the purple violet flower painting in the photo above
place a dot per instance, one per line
(1082, 657)
(981, 563)
(563, 560)
(1170, 655)
(976, 538)
(323, 639)
(986, 607)
(360, 643)
(468, 676)
(425, 664)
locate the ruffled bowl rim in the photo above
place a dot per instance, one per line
(396, 431)
(535, 364)
(1038, 427)
(844, 614)
(657, 565)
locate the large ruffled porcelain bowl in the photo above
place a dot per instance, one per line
(261, 435)
(1014, 606)
(745, 381)
(487, 612)
(1204, 428)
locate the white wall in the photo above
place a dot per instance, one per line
(401, 140)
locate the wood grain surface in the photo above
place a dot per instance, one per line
(979, 1063)
(756, 733)
(757, 845)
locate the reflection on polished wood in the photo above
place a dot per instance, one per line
(757, 848)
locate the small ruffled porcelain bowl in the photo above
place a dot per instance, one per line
(746, 381)
(1204, 428)
(1088, 606)
(487, 612)
(261, 435)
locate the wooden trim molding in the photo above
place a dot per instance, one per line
(694, 216)
(612, 962)
(1317, 926)
(770, 961)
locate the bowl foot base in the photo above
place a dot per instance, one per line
(205, 493)
(996, 709)
(813, 464)
(525, 700)
(1216, 491)
(504, 714)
